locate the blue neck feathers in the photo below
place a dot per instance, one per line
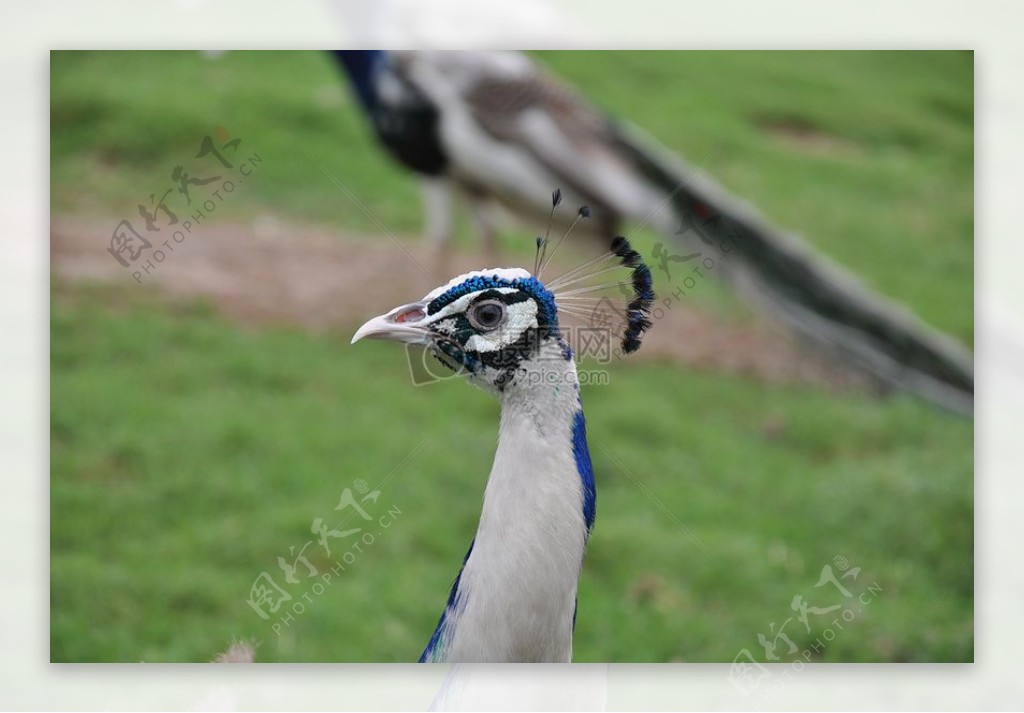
(581, 453)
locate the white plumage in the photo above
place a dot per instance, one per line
(518, 588)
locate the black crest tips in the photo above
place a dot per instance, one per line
(625, 252)
(556, 197)
(538, 256)
(585, 211)
(638, 310)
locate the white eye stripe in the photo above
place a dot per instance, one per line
(520, 317)
(502, 273)
(462, 303)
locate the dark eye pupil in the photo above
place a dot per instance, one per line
(488, 315)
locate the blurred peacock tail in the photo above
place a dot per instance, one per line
(814, 296)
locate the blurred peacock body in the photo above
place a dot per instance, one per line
(494, 126)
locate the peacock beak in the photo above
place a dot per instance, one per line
(402, 324)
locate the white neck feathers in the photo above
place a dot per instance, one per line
(517, 591)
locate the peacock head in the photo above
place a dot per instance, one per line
(500, 327)
(484, 325)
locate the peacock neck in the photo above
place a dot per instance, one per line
(516, 595)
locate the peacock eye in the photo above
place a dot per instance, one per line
(487, 315)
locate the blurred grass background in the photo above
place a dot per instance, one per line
(189, 452)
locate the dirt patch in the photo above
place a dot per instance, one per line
(805, 137)
(268, 272)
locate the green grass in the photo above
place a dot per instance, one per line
(188, 453)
